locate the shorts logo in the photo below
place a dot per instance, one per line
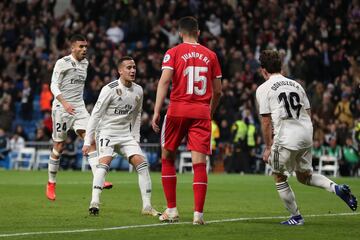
(118, 92)
(166, 58)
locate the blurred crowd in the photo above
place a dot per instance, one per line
(319, 42)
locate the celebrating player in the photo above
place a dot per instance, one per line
(283, 103)
(68, 109)
(196, 89)
(116, 118)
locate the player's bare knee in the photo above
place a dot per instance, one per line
(303, 177)
(136, 160)
(58, 148)
(279, 177)
(81, 133)
(168, 154)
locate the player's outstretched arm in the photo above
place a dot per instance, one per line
(161, 93)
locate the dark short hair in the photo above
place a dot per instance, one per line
(189, 25)
(77, 37)
(271, 61)
(125, 58)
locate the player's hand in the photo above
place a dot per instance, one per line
(69, 108)
(155, 122)
(85, 150)
(266, 154)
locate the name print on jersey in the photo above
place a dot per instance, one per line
(190, 55)
(278, 84)
(123, 110)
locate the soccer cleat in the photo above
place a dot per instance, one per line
(344, 192)
(149, 210)
(294, 221)
(94, 209)
(198, 219)
(107, 185)
(50, 191)
(168, 217)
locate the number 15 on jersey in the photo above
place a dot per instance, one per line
(193, 76)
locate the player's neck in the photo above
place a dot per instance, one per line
(190, 40)
(74, 57)
(272, 75)
(126, 83)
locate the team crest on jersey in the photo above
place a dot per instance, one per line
(166, 58)
(118, 92)
(73, 64)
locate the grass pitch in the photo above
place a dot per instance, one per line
(237, 207)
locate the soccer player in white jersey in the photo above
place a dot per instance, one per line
(116, 118)
(284, 106)
(68, 109)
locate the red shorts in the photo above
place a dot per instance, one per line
(198, 132)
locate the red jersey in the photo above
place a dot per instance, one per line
(195, 67)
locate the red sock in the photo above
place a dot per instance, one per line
(168, 177)
(199, 186)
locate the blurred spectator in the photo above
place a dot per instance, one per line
(351, 158)
(68, 156)
(19, 130)
(17, 143)
(26, 96)
(6, 117)
(45, 98)
(4, 145)
(342, 110)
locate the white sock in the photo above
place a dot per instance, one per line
(53, 168)
(144, 183)
(288, 197)
(321, 181)
(93, 161)
(172, 210)
(98, 181)
(198, 214)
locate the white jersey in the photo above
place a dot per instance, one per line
(117, 112)
(286, 101)
(68, 79)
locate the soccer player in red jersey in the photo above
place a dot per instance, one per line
(195, 76)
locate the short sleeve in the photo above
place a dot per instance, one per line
(263, 101)
(306, 100)
(169, 60)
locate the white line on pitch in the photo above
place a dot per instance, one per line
(165, 224)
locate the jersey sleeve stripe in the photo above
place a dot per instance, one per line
(220, 76)
(167, 67)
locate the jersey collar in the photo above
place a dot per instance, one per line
(74, 59)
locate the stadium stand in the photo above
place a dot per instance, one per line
(319, 42)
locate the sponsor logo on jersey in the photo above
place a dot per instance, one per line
(79, 80)
(123, 110)
(166, 58)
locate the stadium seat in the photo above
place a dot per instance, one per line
(186, 162)
(25, 159)
(42, 158)
(328, 164)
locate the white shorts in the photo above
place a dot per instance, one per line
(285, 160)
(63, 122)
(127, 146)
